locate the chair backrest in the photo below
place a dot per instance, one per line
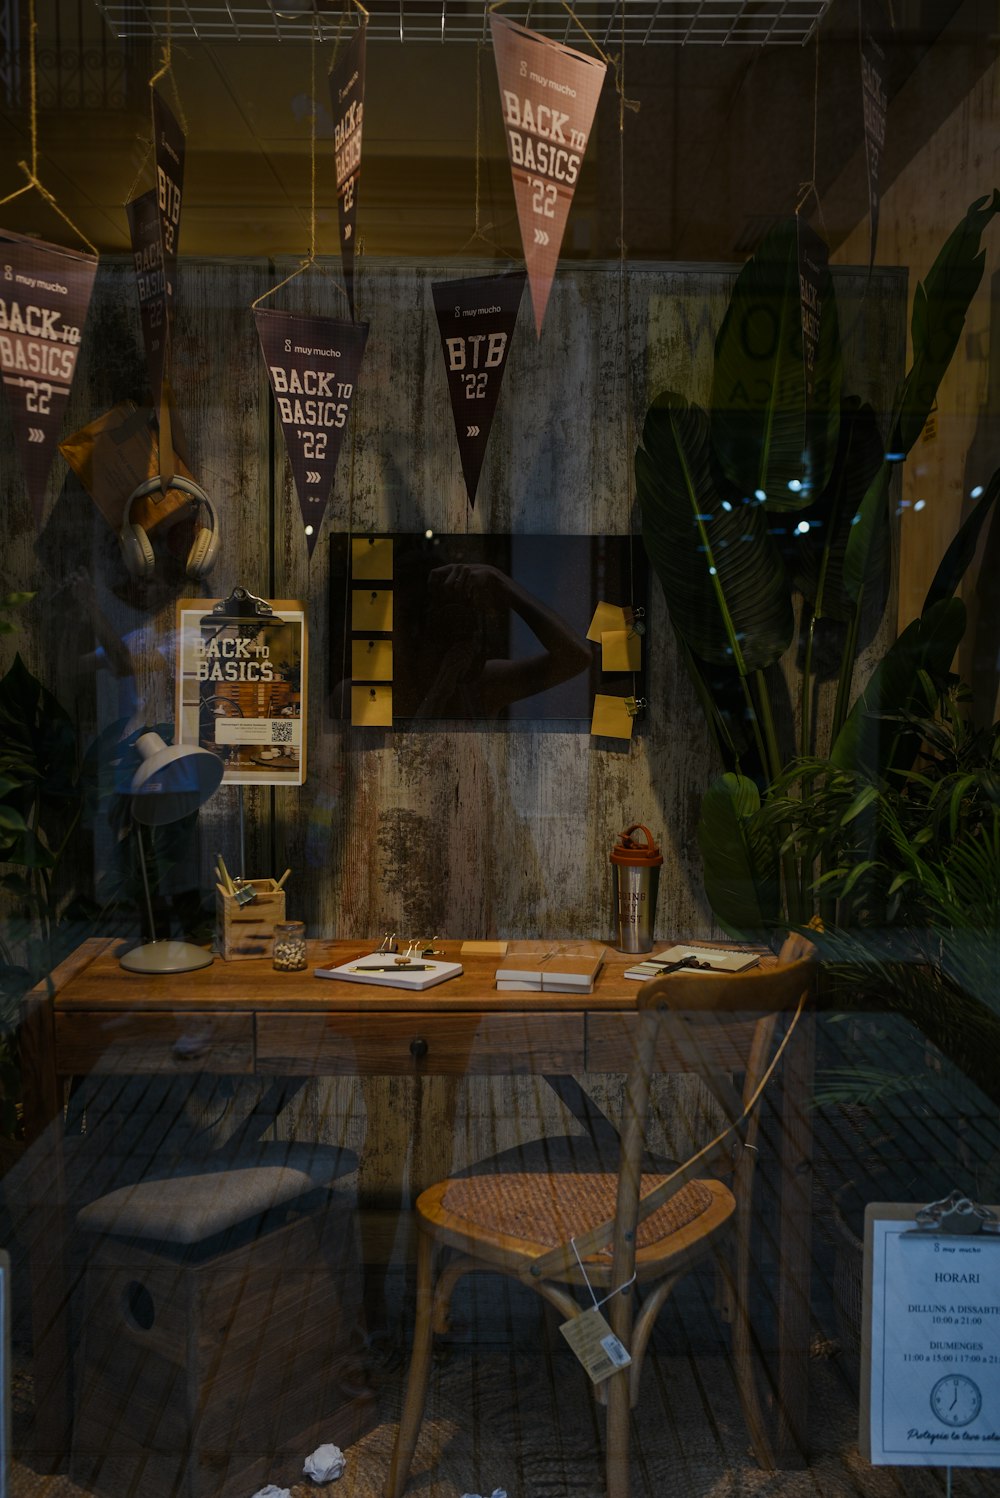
(713, 1024)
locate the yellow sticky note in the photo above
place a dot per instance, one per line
(371, 707)
(371, 610)
(371, 660)
(371, 557)
(611, 719)
(621, 650)
(606, 616)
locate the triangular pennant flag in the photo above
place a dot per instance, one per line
(476, 318)
(147, 256)
(347, 93)
(814, 259)
(44, 296)
(549, 96)
(168, 154)
(874, 103)
(313, 365)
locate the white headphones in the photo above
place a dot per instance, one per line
(137, 549)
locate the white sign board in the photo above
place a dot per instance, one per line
(932, 1387)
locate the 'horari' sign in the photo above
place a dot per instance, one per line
(44, 296)
(549, 95)
(476, 318)
(813, 259)
(313, 365)
(347, 94)
(874, 100)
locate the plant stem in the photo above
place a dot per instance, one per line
(843, 701)
(806, 708)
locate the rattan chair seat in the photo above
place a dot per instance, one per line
(549, 1210)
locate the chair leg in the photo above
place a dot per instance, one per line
(420, 1369)
(619, 1415)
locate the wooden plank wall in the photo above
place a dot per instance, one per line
(473, 832)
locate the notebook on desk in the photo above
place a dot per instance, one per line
(711, 959)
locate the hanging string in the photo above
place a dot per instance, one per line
(810, 189)
(165, 69)
(480, 230)
(624, 315)
(30, 170)
(310, 259)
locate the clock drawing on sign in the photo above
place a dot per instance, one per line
(956, 1400)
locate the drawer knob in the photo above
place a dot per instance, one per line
(418, 1048)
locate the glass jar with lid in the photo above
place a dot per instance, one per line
(289, 946)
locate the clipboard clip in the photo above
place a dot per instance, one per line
(957, 1215)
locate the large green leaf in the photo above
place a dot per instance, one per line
(940, 304)
(722, 577)
(740, 863)
(764, 439)
(873, 739)
(955, 562)
(817, 557)
(866, 540)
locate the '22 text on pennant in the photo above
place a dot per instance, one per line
(347, 94)
(476, 317)
(549, 96)
(313, 365)
(44, 296)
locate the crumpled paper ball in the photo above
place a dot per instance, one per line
(326, 1464)
(272, 1492)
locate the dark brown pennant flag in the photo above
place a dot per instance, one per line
(549, 95)
(813, 257)
(44, 295)
(476, 318)
(313, 365)
(168, 153)
(147, 256)
(347, 93)
(874, 102)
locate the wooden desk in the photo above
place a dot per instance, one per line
(243, 1019)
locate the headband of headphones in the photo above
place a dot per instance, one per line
(136, 546)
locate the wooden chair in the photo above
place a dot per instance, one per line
(537, 1226)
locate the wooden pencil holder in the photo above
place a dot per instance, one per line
(244, 931)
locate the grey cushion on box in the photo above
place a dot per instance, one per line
(198, 1200)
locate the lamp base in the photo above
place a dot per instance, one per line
(166, 957)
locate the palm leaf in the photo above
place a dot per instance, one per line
(740, 861)
(817, 561)
(721, 575)
(764, 438)
(955, 562)
(874, 738)
(940, 305)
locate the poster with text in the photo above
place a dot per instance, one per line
(548, 94)
(241, 689)
(933, 1380)
(874, 103)
(147, 256)
(313, 365)
(347, 95)
(44, 296)
(476, 318)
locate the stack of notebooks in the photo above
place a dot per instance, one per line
(538, 967)
(709, 959)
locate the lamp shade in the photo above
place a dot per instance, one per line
(173, 780)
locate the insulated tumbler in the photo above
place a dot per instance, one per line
(636, 871)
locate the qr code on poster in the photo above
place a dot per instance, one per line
(281, 733)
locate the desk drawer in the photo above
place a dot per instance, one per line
(682, 1046)
(99, 1041)
(424, 1044)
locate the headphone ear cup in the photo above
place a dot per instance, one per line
(137, 551)
(201, 557)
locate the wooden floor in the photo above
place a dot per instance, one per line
(510, 1408)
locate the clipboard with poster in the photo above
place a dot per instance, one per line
(242, 672)
(930, 1335)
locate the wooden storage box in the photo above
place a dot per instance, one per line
(248, 930)
(207, 1375)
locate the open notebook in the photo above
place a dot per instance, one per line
(718, 960)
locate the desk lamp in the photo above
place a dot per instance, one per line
(172, 781)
